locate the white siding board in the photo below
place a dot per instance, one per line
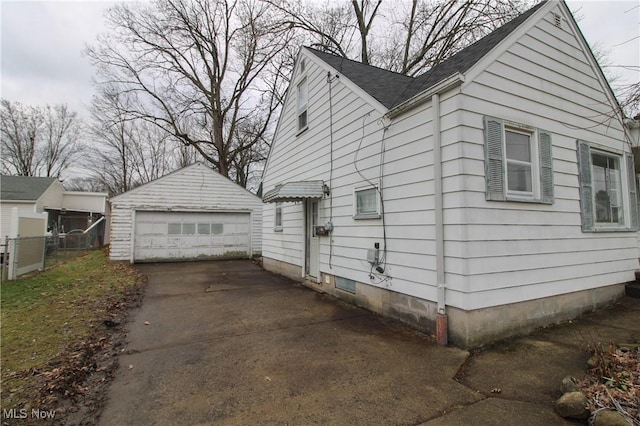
(51, 198)
(521, 246)
(495, 252)
(357, 130)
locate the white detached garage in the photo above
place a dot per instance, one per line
(191, 214)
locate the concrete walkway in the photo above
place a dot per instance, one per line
(227, 343)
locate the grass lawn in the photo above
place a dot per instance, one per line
(42, 315)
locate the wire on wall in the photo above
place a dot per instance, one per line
(375, 275)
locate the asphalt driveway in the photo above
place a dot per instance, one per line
(228, 343)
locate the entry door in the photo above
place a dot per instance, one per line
(312, 244)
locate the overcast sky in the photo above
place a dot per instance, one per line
(42, 43)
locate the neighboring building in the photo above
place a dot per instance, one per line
(633, 129)
(191, 214)
(495, 191)
(67, 210)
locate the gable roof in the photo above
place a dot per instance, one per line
(466, 58)
(391, 89)
(200, 165)
(24, 188)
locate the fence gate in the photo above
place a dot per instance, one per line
(25, 249)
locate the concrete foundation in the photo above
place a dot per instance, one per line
(479, 327)
(466, 329)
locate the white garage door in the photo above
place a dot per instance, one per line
(190, 236)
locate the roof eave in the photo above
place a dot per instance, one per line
(425, 96)
(8, 200)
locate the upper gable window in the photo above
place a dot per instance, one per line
(518, 162)
(303, 98)
(607, 184)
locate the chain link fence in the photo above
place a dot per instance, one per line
(22, 255)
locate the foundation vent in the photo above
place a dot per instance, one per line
(346, 284)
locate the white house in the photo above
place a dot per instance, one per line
(489, 196)
(67, 210)
(193, 213)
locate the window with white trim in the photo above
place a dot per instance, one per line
(607, 185)
(366, 203)
(303, 99)
(518, 162)
(277, 225)
(608, 196)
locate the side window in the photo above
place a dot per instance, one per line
(303, 98)
(518, 162)
(278, 217)
(605, 177)
(366, 203)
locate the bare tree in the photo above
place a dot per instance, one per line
(246, 170)
(194, 69)
(127, 151)
(20, 126)
(38, 141)
(406, 37)
(62, 133)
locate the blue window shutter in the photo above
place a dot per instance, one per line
(546, 167)
(633, 192)
(493, 163)
(586, 188)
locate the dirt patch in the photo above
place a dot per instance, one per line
(71, 388)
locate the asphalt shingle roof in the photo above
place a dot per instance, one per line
(382, 84)
(391, 89)
(23, 188)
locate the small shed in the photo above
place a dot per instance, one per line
(193, 213)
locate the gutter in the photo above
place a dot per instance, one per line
(432, 94)
(426, 95)
(441, 316)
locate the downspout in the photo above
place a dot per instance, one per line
(441, 317)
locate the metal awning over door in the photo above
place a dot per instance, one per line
(296, 191)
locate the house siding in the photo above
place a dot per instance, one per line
(508, 266)
(407, 187)
(511, 252)
(51, 198)
(195, 188)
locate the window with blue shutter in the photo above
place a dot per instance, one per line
(586, 191)
(518, 162)
(604, 178)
